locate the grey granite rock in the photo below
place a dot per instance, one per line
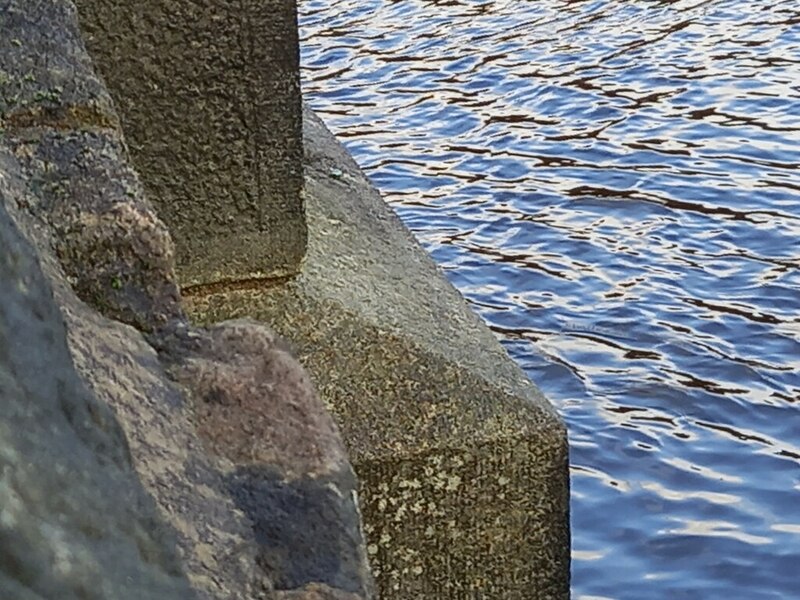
(463, 462)
(255, 406)
(59, 120)
(74, 520)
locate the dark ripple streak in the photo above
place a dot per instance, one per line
(614, 185)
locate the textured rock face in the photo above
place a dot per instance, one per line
(74, 520)
(107, 394)
(61, 124)
(116, 252)
(255, 406)
(316, 592)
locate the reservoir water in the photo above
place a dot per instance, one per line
(614, 185)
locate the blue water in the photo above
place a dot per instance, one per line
(615, 188)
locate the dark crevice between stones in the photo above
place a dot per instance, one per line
(233, 285)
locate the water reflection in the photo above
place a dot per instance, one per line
(614, 186)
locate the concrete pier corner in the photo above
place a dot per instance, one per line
(463, 463)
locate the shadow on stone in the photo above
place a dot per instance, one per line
(304, 527)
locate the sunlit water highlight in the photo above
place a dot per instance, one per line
(615, 186)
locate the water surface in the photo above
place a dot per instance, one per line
(615, 187)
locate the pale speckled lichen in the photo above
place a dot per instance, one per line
(50, 95)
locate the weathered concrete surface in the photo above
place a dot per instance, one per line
(209, 97)
(464, 465)
(259, 512)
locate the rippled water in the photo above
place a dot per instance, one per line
(615, 187)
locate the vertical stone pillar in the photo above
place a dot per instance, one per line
(209, 97)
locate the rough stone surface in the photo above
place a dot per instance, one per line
(74, 520)
(255, 404)
(463, 463)
(216, 540)
(209, 97)
(116, 252)
(61, 124)
(245, 517)
(256, 407)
